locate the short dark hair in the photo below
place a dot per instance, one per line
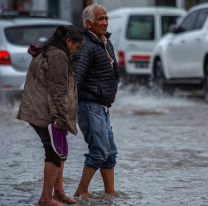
(62, 33)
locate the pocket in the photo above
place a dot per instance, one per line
(95, 108)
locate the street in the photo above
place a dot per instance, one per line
(162, 160)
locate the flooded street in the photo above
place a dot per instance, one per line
(162, 160)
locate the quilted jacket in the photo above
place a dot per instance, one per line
(97, 79)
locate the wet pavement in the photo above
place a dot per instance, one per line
(162, 160)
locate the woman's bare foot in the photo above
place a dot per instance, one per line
(61, 197)
(50, 202)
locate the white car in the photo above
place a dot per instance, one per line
(17, 31)
(135, 32)
(181, 57)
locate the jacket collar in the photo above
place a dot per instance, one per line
(94, 38)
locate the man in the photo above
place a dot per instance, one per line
(97, 77)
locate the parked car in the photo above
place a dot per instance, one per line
(181, 57)
(135, 32)
(17, 32)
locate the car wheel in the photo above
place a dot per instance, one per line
(160, 87)
(206, 84)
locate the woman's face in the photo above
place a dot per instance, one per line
(71, 46)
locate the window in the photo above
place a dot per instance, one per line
(188, 22)
(165, 3)
(53, 7)
(167, 21)
(200, 1)
(201, 19)
(141, 28)
(26, 35)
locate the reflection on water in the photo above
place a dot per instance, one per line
(162, 159)
(100, 198)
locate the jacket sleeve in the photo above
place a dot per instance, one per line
(57, 81)
(81, 63)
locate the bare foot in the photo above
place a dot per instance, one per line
(50, 202)
(110, 192)
(61, 197)
(82, 194)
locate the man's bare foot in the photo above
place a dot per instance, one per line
(82, 194)
(61, 197)
(50, 202)
(110, 192)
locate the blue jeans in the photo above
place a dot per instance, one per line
(94, 123)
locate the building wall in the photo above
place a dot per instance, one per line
(71, 10)
(114, 4)
(165, 3)
(39, 5)
(65, 12)
(3, 4)
(76, 11)
(180, 3)
(201, 1)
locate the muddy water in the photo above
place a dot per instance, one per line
(162, 160)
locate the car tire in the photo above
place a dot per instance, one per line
(206, 83)
(160, 87)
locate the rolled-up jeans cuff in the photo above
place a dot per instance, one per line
(108, 165)
(95, 166)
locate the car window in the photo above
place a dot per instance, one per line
(141, 27)
(167, 21)
(26, 35)
(201, 19)
(188, 22)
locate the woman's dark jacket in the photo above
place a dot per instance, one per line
(97, 80)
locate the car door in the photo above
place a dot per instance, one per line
(177, 47)
(194, 44)
(140, 41)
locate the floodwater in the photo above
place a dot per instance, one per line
(162, 160)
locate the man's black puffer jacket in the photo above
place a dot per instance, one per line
(96, 80)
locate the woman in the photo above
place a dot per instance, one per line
(49, 104)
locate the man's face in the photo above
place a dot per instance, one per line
(100, 24)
